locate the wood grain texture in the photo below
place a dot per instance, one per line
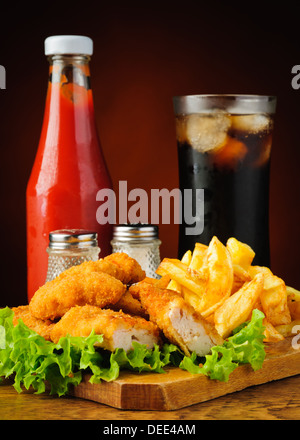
(279, 400)
(178, 389)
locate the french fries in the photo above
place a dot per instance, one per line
(271, 334)
(186, 259)
(220, 283)
(287, 330)
(241, 253)
(220, 276)
(292, 294)
(238, 307)
(180, 272)
(274, 297)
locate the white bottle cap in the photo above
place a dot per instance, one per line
(68, 44)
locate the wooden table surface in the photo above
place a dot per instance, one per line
(278, 400)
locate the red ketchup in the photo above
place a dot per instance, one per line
(69, 167)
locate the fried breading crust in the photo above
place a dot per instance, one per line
(119, 265)
(43, 328)
(80, 321)
(56, 297)
(130, 305)
(179, 321)
(132, 271)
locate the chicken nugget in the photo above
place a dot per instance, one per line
(118, 265)
(178, 320)
(118, 328)
(43, 328)
(56, 297)
(129, 305)
(132, 271)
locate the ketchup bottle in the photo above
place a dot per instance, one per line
(69, 167)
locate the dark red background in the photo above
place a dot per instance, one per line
(144, 55)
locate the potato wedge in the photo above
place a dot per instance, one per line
(274, 303)
(178, 271)
(287, 329)
(253, 270)
(220, 275)
(198, 256)
(237, 308)
(174, 285)
(293, 297)
(271, 334)
(240, 276)
(192, 298)
(292, 293)
(241, 253)
(294, 308)
(195, 301)
(273, 297)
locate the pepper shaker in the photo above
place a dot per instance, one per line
(140, 241)
(70, 247)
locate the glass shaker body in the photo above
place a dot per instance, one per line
(69, 248)
(139, 242)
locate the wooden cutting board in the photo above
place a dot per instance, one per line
(177, 388)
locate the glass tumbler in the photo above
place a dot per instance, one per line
(224, 145)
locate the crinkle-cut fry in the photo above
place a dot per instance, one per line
(178, 271)
(236, 309)
(274, 297)
(241, 253)
(220, 275)
(270, 332)
(174, 285)
(288, 329)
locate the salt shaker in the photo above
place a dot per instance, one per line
(70, 247)
(139, 241)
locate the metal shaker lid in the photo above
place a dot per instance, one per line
(72, 238)
(135, 232)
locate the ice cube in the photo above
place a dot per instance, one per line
(251, 123)
(207, 131)
(181, 129)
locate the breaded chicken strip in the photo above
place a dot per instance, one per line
(132, 271)
(43, 328)
(179, 321)
(56, 297)
(130, 305)
(118, 329)
(118, 265)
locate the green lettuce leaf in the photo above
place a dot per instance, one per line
(244, 346)
(35, 362)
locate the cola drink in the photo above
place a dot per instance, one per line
(225, 150)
